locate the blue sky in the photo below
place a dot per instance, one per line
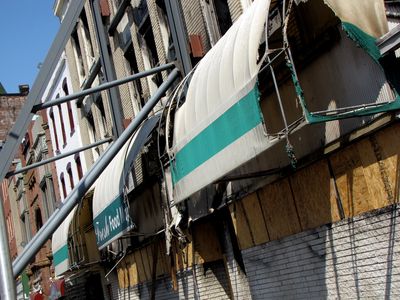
(27, 29)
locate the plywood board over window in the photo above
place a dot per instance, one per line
(133, 272)
(352, 186)
(123, 275)
(255, 218)
(163, 265)
(138, 266)
(241, 225)
(314, 195)
(375, 172)
(147, 266)
(279, 210)
(367, 172)
(127, 272)
(207, 246)
(389, 141)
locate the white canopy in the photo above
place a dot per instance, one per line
(59, 245)
(110, 210)
(220, 126)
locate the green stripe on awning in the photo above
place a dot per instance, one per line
(242, 117)
(60, 255)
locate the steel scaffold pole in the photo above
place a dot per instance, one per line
(102, 87)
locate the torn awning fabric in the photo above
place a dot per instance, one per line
(59, 245)
(220, 125)
(363, 21)
(111, 217)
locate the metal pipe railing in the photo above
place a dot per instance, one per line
(88, 180)
(102, 87)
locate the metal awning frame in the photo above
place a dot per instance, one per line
(339, 113)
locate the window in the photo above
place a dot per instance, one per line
(78, 166)
(38, 219)
(218, 19)
(124, 30)
(140, 12)
(62, 123)
(146, 32)
(102, 120)
(91, 129)
(87, 39)
(64, 189)
(71, 118)
(25, 227)
(48, 195)
(23, 211)
(131, 59)
(223, 15)
(51, 114)
(164, 28)
(26, 143)
(78, 55)
(91, 126)
(149, 52)
(71, 178)
(69, 107)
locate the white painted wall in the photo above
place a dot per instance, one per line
(73, 138)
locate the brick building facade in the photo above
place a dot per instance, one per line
(10, 105)
(41, 196)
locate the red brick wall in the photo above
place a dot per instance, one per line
(9, 219)
(10, 106)
(43, 259)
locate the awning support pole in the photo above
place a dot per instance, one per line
(102, 87)
(87, 181)
(57, 157)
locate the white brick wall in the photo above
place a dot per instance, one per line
(239, 283)
(186, 285)
(355, 258)
(211, 284)
(212, 281)
(352, 259)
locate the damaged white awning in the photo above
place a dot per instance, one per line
(220, 126)
(59, 246)
(368, 15)
(111, 217)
